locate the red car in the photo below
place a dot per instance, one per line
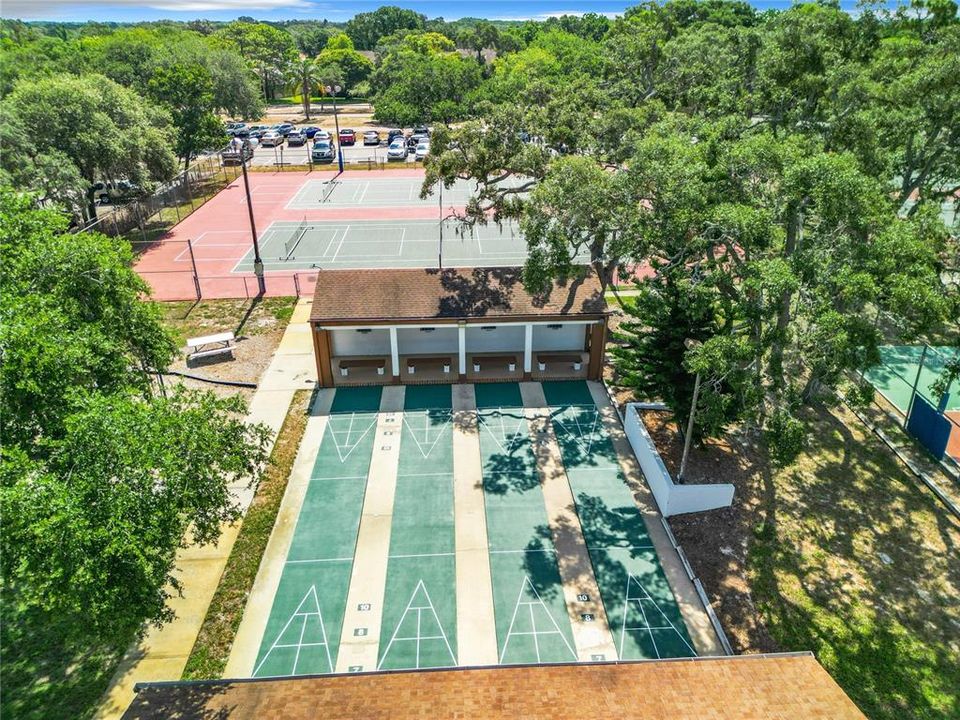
(348, 137)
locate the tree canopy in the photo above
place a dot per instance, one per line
(100, 474)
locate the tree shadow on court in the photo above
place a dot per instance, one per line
(540, 564)
(202, 701)
(584, 445)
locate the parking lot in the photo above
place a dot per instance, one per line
(300, 155)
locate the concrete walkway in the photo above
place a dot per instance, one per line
(163, 652)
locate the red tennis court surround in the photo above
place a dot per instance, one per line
(198, 256)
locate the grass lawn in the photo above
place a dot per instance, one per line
(212, 648)
(842, 553)
(244, 317)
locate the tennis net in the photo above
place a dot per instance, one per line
(331, 185)
(290, 244)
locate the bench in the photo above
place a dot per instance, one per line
(509, 360)
(575, 358)
(378, 363)
(208, 345)
(422, 362)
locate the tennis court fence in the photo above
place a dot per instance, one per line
(909, 385)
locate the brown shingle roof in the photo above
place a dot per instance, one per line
(363, 295)
(772, 687)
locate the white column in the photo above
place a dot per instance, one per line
(528, 348)
(462, 340)
(394, 352)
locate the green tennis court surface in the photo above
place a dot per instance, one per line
(420, 608)
(288, 245)
(641, 609)
(896, 374)
(303, 631)
(531, 616)
(382, 193)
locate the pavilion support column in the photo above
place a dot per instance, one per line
(321, 348)
(462, 351)
(527, 351)
(598, 342)
(394, 355)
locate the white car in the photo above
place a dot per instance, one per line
(397, 150)
(322, 135)
(271, 138)
(423, 149)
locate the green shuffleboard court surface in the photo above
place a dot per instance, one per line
(303, 631)
(896, 374)
(531, 618)
(641, 609)
(420, 604)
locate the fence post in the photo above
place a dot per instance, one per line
(296, 284)
(916, 382)
(193, 264)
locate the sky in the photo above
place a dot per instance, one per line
(139, 10)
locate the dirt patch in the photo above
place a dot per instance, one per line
(258, 326)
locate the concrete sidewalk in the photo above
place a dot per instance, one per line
(163, 652)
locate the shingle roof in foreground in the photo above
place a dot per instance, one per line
(759, 687)
(405, 294)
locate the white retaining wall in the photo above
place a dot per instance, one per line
(673, 499)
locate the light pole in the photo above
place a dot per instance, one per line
(333, 90)
(690, 345)
(257, 260)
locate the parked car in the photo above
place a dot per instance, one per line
(371, 137)
(423, 149)
(236, 152)
(271, 138)
(348, 137)
(283, 128)
(323, 151)
(233, 128)
(310, 131)
(413, 141)
(421, 130)
(397, 150)
(322, 135)
(395, 133)
(296, 138)
(109, 192)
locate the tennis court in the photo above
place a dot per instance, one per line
(372, 567)
(346, 192)
(895, 376)
(312, 244)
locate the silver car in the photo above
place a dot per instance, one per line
(271, 138)
(397, 150)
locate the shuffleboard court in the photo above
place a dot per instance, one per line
(532, 624)
(382, 193)
(642, 611)
(420, 609)
(289, 246)
(302, 634)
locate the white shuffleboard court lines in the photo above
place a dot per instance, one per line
(422, 437)
(346, 441)
(581, 431)
(305, 614)
(419, 638)
(644, 596)
(531, 606)
(506, 438)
